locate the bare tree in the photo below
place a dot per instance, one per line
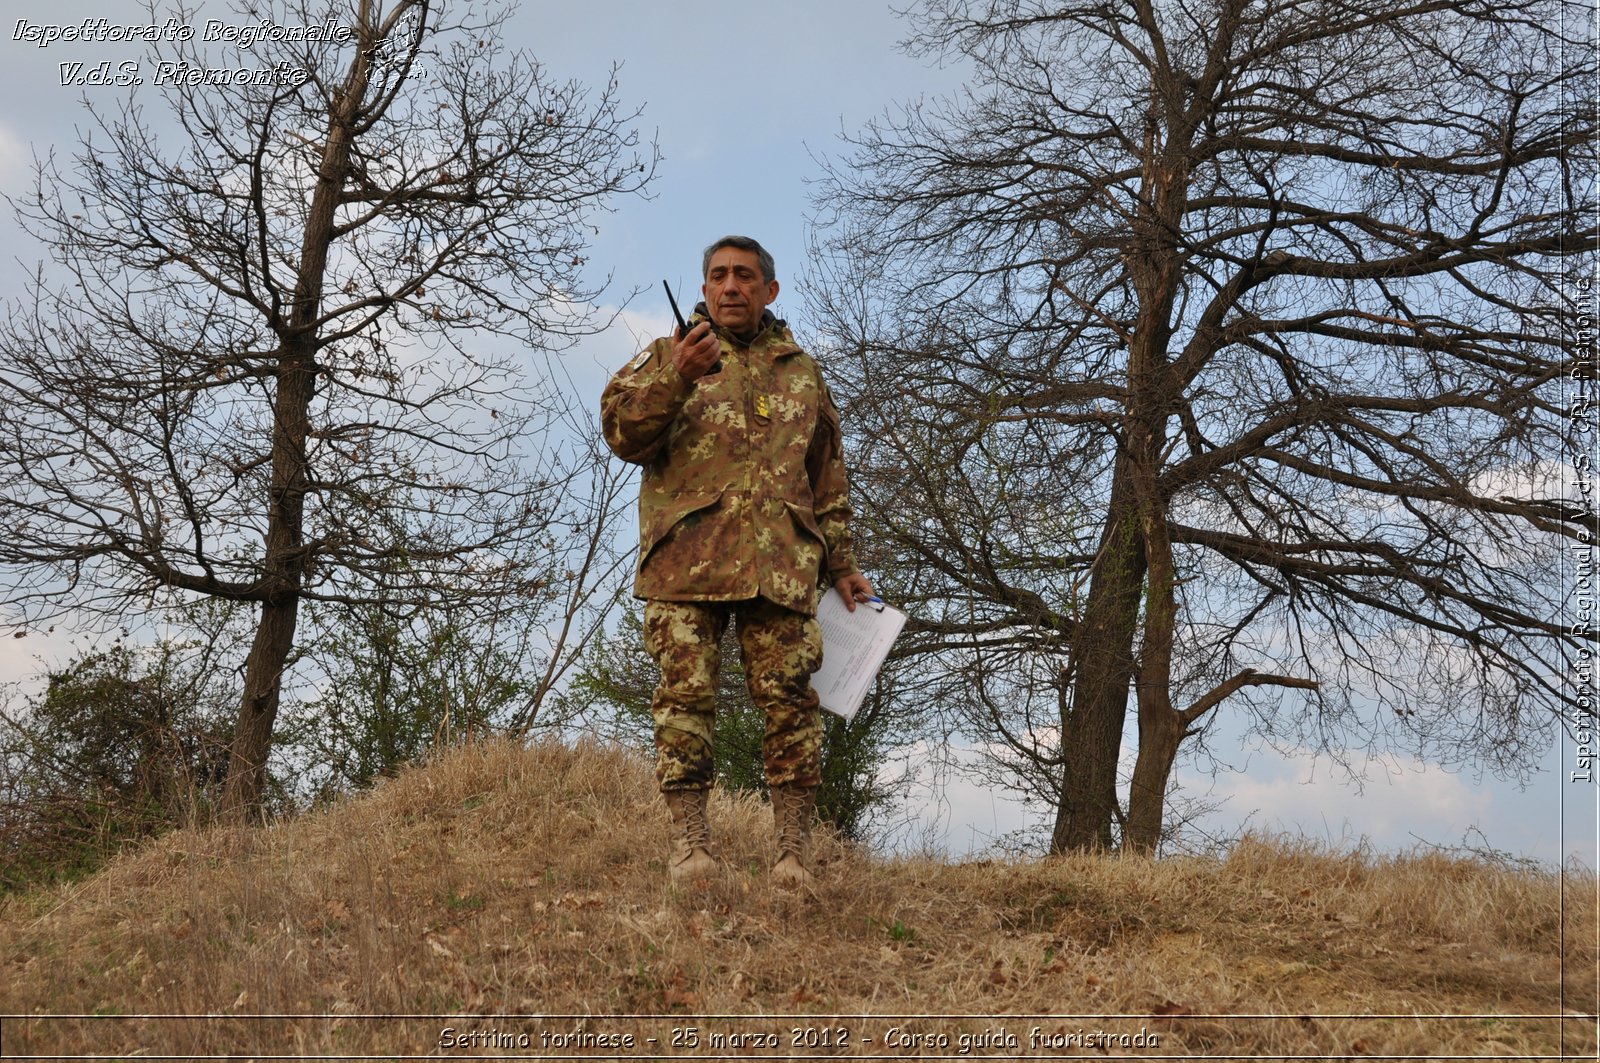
(386, 679)
(1215, 353)
(308, 345)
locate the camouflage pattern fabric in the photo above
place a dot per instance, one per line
(744, 492)
(780, 648)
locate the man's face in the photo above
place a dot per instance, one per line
(735, 292)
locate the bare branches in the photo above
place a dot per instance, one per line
(1256, 308)
(296, 354)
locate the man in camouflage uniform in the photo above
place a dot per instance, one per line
(744, 513)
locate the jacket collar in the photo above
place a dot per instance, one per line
(772, 329)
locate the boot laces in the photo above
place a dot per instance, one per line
(694, 828)
(792, 824)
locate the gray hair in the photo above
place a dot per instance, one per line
(769, 271)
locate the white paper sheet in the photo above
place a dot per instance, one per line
(854, 646)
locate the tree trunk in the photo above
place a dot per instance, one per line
(1161, 731)
(1091, 730)
(1092, 735)
(263, 682)
(284, 560)
(283, 567)
(1161, 727)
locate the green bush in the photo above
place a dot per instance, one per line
(120, 744)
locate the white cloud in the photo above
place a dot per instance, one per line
(26, 658)
(16, 161)
(947, 810)
(591, 361)
(964, 816)
(1399, 802)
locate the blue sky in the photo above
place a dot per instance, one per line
(742, 99)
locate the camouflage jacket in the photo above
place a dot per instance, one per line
(744, 489)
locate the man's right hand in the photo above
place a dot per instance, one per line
(697, 352)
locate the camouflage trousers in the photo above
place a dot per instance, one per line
(780, 649)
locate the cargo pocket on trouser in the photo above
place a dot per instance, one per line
(781, 648)
(683, 638)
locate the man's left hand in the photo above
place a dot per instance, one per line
(854, 588)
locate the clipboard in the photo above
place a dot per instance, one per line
(854, 646)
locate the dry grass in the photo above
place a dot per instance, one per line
(501, 892)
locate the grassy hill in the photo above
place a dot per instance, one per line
(513, 901)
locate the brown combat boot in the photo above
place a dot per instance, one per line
(691, 857)
(791, 814)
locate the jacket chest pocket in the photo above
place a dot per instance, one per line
(759, 381)
(786, 405)
(713, 417)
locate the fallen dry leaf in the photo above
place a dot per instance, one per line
(680, 998)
